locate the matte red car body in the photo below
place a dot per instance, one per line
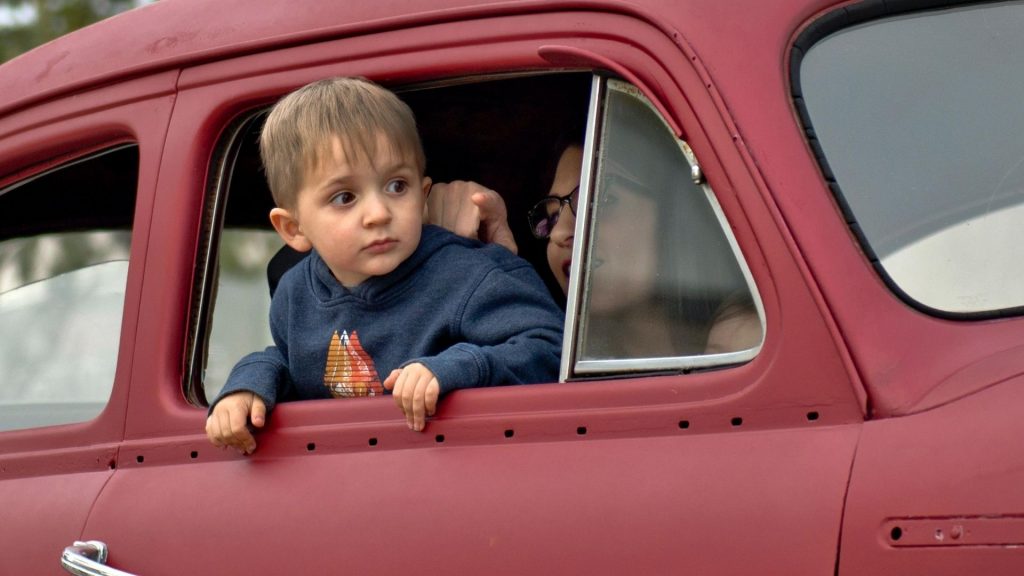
(909, 428)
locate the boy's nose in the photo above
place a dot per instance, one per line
(376, 209)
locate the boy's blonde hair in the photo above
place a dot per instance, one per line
(297, 134)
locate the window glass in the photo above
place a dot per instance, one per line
(920, 120)
(240, 324)
(64, 250)
(235, 312)
(663, 280)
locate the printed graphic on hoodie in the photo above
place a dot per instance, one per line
(350, 371)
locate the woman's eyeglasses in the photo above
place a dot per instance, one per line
(544, 214)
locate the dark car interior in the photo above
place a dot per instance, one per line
(501, 133)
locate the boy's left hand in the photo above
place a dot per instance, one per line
(415, 390)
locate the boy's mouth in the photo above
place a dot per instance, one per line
(382, 245)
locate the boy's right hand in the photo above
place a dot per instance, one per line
(227, 425)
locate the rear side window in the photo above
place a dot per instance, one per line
(64, 247)
(919, 120)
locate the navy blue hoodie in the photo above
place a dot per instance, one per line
(474, 314)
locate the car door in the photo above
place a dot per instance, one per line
(928, 170)
(637, 462)
(74, 197)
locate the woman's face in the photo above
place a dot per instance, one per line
(623, 259)
(623, 231)
(567, 177)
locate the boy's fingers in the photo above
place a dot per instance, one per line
(258, 412)
(213, 431)
(419, 403)
(228, 424)
(239, 436)
(416, 392)
(408, 396)
(389, 382)
(224, 427)
(400, 390)
(433, 392)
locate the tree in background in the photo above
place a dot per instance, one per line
(50, 19)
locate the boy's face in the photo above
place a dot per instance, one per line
(363, 215)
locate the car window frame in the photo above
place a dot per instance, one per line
(837, 21)
(87, 412)
(572, 366)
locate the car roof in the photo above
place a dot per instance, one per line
(169, 34)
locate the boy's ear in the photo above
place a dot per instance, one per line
(288, 229)
(427, 183)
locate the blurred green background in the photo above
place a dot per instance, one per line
(25, 24)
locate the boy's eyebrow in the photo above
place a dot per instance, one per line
(399, 164)
(335, 180)
(344, 179)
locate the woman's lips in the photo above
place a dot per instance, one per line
(566, 267)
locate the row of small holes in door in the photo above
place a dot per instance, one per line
(509, 433)
(580, 430)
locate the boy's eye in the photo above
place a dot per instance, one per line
(343, 199)
(397, 187)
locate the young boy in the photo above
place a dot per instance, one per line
(381, 294)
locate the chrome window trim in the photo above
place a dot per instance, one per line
(574, 293)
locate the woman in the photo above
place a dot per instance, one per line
(635, 308)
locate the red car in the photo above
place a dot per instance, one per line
(847, 176)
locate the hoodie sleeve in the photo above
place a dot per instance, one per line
(516, 332)
(265, 373)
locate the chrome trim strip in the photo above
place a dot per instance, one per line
(573, 296)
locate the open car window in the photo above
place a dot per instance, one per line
(63, 271)
(498, 132)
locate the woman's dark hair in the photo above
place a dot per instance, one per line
(572, 135)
